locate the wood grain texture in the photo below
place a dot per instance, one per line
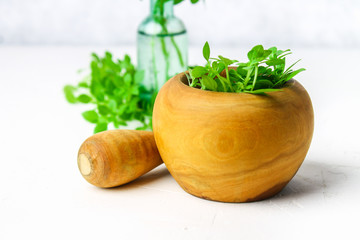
(115, 157)
(232, 147)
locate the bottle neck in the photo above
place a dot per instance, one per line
(162, 8)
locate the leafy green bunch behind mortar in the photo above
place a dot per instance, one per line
(115, 90)
(264, 72)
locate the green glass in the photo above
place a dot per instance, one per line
(162, 47)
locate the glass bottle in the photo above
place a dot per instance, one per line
(162, 47)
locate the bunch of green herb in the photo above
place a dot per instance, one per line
(115, 91)
(264, 72)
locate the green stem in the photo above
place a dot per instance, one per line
(154, 63)
(255, 77)
(247, 79)
(228, 78)
(166, 56)
(163, 47)
(177, 51)
(222, 83)
(188, 78)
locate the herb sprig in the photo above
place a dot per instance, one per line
(158, 15)
(264, 72)
(115, 90)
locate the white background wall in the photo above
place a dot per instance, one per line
(289, 23)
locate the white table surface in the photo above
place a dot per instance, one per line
(43, 196)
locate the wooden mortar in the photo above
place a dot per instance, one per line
(232, 147)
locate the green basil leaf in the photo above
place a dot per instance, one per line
(69, 94)
(277, 61)
(95, 57)
(100, 127)
(226, 61)
(135, 91)
(206, 51)
(90, 116)
(220, 87)
(127, 79)
(97, 90)
(263, 84)
(262, 70)
(256, 51)
(103, 110)
(235, 76)
(258, 54)
(208, 83)
(198, 72)
(83, 98)
(112, 105)
(83, 85)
